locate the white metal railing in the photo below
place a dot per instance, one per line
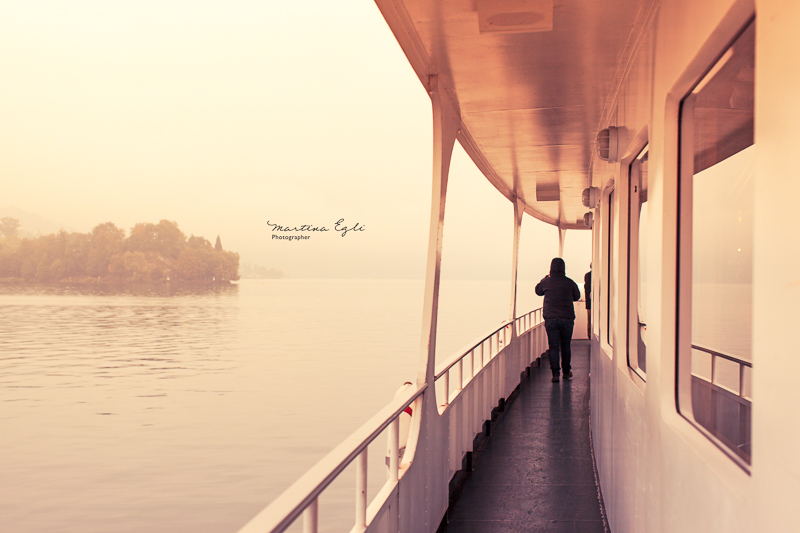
(725, 409)
(485, 350)
(742, 365)
(303, 496)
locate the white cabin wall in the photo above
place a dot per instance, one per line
(657, 471)
(776, 269)
(602, 374)
(634, 405)
(627, 440)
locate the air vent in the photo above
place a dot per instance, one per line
(608, 144)
(588, 220)
(515, 16)
(547, 192)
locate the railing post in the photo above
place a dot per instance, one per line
(394, 450)
(460, 374)
(446, 387)
(361, 490)
(713, 368)
(741, 380)
(472, 363)
(311, 517)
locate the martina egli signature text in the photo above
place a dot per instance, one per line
(280, 232)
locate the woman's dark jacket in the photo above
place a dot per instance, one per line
(559, 292)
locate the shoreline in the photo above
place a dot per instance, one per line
(112, 282)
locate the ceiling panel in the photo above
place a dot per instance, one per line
(531, 101)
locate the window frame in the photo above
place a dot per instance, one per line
(634, 259)
(684, 249)
(612, 242)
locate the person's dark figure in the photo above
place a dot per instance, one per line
(587, 291)
(559, 316)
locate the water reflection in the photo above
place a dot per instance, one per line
(166, 408)
(176, 408)
(120, 289)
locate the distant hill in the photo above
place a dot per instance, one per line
(32, 224)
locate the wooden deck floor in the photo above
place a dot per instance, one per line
(536, 472)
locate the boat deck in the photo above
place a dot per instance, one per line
(536, 472)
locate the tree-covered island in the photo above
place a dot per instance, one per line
(152, 252)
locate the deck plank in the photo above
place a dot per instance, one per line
(536, 472)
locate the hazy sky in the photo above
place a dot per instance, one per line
(224, 116)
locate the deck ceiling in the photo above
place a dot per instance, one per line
(532, 88)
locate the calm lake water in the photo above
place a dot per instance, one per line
(162, 409)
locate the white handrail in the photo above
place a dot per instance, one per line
(305, 491)
(447, 364)
(499, 339)
(453, 360)
(714, 355)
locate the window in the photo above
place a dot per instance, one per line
(637, 262)
(612, 267)
(716, 247)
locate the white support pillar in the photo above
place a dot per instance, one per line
(518, 212)
(446, 124)
(515, 354)
(562, 235)
(427, 449)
